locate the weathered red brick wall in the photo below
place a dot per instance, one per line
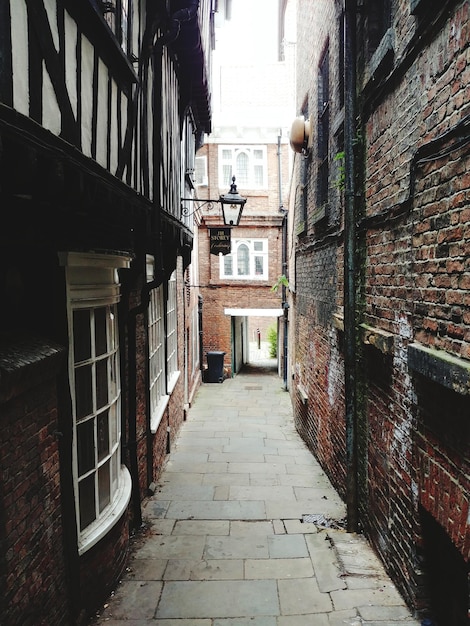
(412, 276)
(416, 287)
(32, 567)
(317, 362)
(102, 566)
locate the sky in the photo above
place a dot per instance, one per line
(251, 34)
(251, 87)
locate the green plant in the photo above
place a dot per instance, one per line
(340, 181)
(281, 282)
(272, 341)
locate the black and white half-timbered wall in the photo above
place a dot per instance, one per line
(102, 108)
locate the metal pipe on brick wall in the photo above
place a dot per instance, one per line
(284, 264)
(350, 379)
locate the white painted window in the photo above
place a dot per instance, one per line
(200, 171)
(157, 381)
(116, 14)
(102, 484)
(172, 334)
(248, 260)
(195, 338)
(247, 163)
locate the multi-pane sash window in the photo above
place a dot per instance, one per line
(248, 260)
(157, 381)
(102, 484)
(247, 163)
(171, 334)
(97, 393)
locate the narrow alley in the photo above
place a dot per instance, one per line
(245, 528)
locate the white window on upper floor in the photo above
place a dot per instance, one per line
(248, 260)
(102, 484)
(200, 171)
(247, 163)
(116, 14)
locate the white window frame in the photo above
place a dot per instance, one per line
(256, 175)
(201, 178)
(254, 253)
(195, 338)
(92, 286)
(156, 342)
(172, 372)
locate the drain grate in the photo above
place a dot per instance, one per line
(320, 520)
(253, 387)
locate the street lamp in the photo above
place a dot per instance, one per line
(232, 204)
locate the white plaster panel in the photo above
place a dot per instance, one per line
(19, 29)
(114, 128)
(51, 10)
(102, 114)
(71, 61)
(51, 116)
(87, 94)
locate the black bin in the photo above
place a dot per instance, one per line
(215, 367)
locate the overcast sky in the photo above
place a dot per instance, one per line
(251, 35)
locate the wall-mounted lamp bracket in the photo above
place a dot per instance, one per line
(232, 204)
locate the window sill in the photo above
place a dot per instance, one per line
(92, 535)
(156, 417)
(258, 279)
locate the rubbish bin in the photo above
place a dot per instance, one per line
(215, 367)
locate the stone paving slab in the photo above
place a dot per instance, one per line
(217, 599)
(278, 568)
(225, 541)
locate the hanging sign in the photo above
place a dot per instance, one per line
(220, 241)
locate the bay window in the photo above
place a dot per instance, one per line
(102, 484)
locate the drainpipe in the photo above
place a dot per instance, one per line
(200, 302)
(284, 262)
(350, 379)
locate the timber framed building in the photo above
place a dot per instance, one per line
(102, 108)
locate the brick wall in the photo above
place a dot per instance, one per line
(412, 277)
(416, 287)
(32, 568)
(317, 359)
(102, 566)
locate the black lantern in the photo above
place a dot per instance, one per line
(232, 204)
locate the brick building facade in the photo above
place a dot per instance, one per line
(250, 293)
(379, 291)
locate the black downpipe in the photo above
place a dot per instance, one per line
(350, 378)
(131, 443)
(285, 307)
(201, 336)
(141, 309)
